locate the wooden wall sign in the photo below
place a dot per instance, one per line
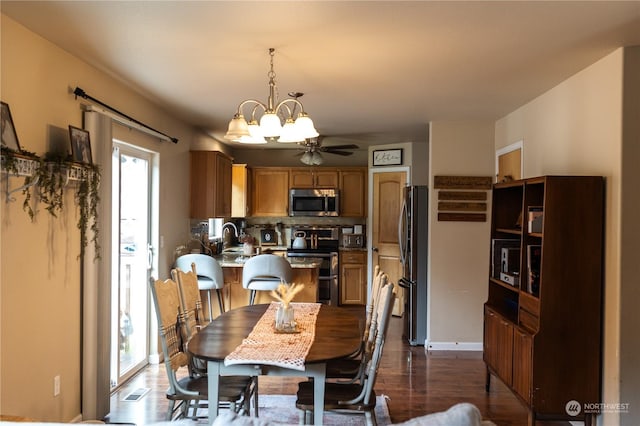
(462, 182)
(462, 195)
(462, 206)
(462, 217)
(461, 198)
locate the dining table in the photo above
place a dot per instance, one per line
(337, 334)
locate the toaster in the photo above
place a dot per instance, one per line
(352, 240)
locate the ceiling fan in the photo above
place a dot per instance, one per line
(312, 149)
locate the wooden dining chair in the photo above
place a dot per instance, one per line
(190, 312)
(351, 368)
(187, 393)
(353, 398)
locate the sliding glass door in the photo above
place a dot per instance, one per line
(131, 261)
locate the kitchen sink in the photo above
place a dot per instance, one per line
(232, 250)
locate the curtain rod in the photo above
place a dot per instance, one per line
(79, 92)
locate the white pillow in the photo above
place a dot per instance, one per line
(228, 417)
(463, 414)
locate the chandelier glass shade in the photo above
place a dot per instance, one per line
(297, 126)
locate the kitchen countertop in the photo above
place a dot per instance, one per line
(236, 260)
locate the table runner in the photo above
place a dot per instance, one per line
(289, 350)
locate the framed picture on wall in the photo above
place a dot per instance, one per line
(80, 145)
(387, 157)
(9, 135)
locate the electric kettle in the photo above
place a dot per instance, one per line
(299, 242)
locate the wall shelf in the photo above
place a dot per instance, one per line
(27, 167)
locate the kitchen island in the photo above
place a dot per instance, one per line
(305, 271)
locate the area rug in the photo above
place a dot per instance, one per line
(282, 409)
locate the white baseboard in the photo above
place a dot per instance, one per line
(454, 346)
(154, 359)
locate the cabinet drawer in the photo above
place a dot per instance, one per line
(528, 320)
(530, 303)
(353, 257)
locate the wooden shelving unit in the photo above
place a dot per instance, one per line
(544, 340)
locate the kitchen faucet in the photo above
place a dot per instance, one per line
(225, 233)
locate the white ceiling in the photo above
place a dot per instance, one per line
(381, 69)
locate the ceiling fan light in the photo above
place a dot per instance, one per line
(270, 125)
(290, 133)
(316, 159)
(306, 158)
(237, 128)
(305, 126)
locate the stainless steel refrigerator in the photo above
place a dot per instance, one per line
(412, 235)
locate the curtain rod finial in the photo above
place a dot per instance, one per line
(79, 92)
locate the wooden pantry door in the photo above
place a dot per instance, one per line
(388, 192)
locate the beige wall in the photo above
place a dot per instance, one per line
(576, 128)
(458, 251)
(629, 241)
(40, 291)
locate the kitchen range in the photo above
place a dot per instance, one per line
(322, 243)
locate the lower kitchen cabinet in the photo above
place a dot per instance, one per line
(237, 296)
(353, 277)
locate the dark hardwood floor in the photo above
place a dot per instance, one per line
(416, 381)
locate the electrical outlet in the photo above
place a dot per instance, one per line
(56, 386)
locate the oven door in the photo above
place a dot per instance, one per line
(328, 276)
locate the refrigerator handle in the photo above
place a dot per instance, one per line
(404, 283)
(402, 231)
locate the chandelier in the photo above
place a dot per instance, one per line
(297, 124)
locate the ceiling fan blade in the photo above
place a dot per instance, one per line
(345, 153)
(348, 146)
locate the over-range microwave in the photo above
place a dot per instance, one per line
(314, 202)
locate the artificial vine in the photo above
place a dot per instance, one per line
(51, 174)
(51, 183)
(88, 198)
(10, 163)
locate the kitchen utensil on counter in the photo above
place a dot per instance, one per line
(300, 241)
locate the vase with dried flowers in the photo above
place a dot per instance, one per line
(285, 317)
(248, 242)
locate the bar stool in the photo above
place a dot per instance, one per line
(209, 273)
(264, 272)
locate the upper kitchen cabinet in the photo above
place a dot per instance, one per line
(210, 184)
(353, 192)
(240, 190)
(310, 177)
(270, 191)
